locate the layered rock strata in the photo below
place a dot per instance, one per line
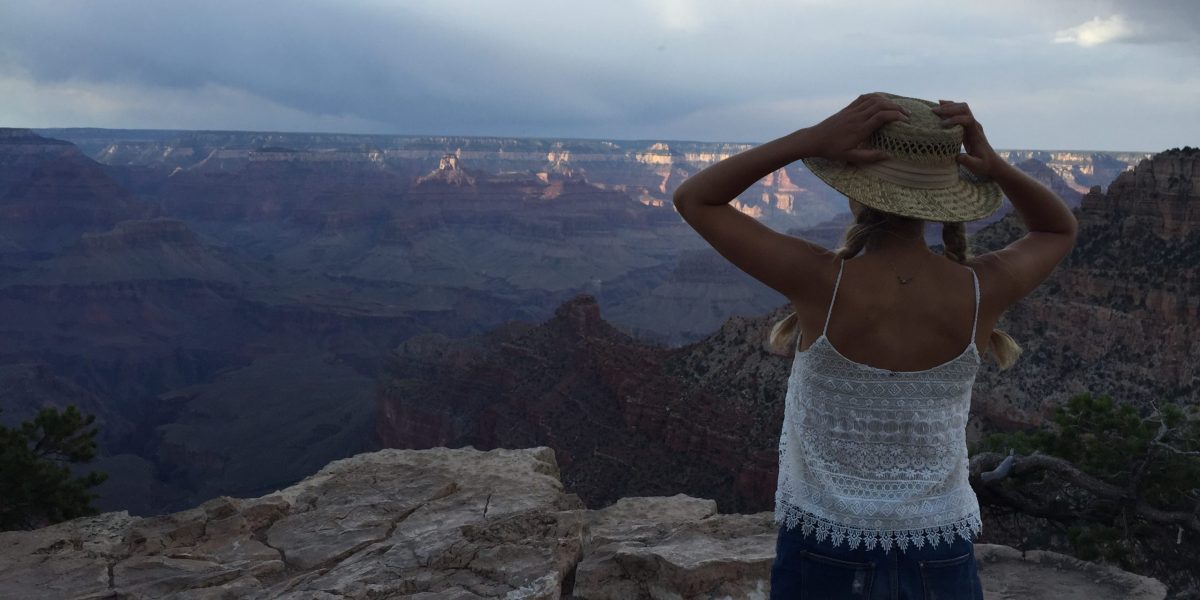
(455, 524)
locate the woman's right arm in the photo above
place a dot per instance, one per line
(1020, 267)
(1041, 209)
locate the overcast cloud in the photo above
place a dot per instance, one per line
(1099, 74)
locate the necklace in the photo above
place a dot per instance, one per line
(902, 280)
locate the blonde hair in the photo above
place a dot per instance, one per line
(867, 224)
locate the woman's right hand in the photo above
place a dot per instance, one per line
(980, 158)
(840, 137)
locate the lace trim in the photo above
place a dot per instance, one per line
(789, 515)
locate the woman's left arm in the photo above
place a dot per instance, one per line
(780, 261)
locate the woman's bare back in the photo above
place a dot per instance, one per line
(880, 322)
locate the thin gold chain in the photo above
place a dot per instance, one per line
(902, 280)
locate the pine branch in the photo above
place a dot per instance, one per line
(1177, 450)
(1040, 462)
(1026, 465)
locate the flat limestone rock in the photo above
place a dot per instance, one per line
(455, 524)
(437, 523)
(65, 560)
(1040, 574)
(675, 547)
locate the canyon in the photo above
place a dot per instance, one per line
(240, 309)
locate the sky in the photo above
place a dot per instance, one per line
(1038, 74)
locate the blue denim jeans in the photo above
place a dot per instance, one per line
(805, 569)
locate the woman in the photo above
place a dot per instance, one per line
(873, 499)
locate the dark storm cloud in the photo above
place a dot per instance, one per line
(1164, 21)
(1085, 74)
(378, 62)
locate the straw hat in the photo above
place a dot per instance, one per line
(920, 178)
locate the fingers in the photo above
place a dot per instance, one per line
(974, 164)
(948, 108)
(884, 116)
(964, 120)
(865, 98)
(876, 103)
(859, 101)
(876, 113)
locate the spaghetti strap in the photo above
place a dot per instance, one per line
(835, 289)
(975, 322)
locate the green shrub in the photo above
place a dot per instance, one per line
(1154, 458)
(36, 485)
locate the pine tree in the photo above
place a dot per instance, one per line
(1114, 476)
(36, 484)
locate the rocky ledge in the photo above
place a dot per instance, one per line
(454, 524)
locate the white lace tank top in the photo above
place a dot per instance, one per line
(874, 456)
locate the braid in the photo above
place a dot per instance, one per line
(954, 241)
(866, 224)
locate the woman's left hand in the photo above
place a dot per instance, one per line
(840, 136)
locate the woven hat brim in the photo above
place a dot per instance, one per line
(967, 200)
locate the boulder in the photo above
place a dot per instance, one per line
(454, 524)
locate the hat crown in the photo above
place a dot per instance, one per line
(921, 138)
(922, 178)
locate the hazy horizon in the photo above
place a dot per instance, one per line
(1107, 75)
(40, 130)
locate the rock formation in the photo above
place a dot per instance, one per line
(1121, 314)
(694, 299)
(448, 172)
(455, 524)
(234, 343)
(151, 249)
(1049, 178)
(1079, 170)
(648, 171)
(1084, 330)
(618, 416)
(50, 193)
(227, 299)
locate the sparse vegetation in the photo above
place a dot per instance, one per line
(1112, 476)
(1185, 151)
(36, 484)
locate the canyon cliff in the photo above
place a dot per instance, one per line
(34, 169)
(1105, 322)
(622, 416)
(1121, 314)
(456, 524)
(1118, 317)
(225, 302)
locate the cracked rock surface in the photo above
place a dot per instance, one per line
(454, 524)
(439, 523)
